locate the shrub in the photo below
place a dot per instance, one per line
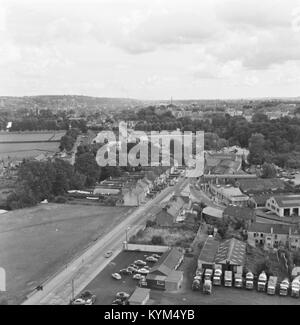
(157, 240)
(60, 199)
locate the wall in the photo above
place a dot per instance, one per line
(146, 248)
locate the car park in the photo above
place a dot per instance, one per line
(116, 276)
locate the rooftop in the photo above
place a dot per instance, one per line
(139, 295)
(286, 201)
(233, 251)
(209, 250)
(167, 262)
(275, 228)
(213, 212)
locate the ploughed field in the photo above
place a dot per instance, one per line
(37, 242)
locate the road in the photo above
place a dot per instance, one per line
(80, 272)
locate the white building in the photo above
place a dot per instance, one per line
(284, 205)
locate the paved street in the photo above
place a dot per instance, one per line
(85, 268)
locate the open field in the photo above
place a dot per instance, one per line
(19, 151)
(39, 241)
(31, 136)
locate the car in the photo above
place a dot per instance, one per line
(152, 259)
(132, 269)
(125, 272)
(143, 271)
(134, 266)
(86, 298)
(108, 254)
(156, 256)
(138, 277)
(140, 263)
(116, 276)
(117, 302)
(122, 295)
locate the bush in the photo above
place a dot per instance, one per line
(150, 223)
(60, 199)
(157, 240)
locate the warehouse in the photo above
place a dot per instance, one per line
(231, 254)
(164, 274)
(207, 256)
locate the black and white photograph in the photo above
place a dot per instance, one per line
(149, 155)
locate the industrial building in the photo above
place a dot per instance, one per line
(164, 274)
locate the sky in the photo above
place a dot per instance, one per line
(150, 49)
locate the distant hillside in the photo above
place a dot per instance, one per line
(57, 102)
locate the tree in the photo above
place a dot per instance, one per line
(157, 240)
(268, 171)
(257, 149)
(86, 164)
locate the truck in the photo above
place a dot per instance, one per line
(272, 284)
(295, 287)
(262, 282)
(284, 287)
(208, 274)
(196, 285)
(238, 280)
(217, 279)
(249, 281)
(207, 287)
(228, 279)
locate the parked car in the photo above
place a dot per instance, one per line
(143, 271)
(108, 254)
(125, 272)
(117, 302)
(132, 269)
(152, 259)
(140, 263)
(138, 276)
(86, 298)
(122, 295)
(116, 276)
(156, 256)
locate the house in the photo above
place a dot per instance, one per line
(229, 195)
(244, 214)
(174, 211)
(212, 214)
(140, 296)
(259, 200)
(284, 205)
(231, 254)
(164, 275)
(274, 235)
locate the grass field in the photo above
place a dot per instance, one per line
(39, 241)
(26, 150)
(31, 136)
